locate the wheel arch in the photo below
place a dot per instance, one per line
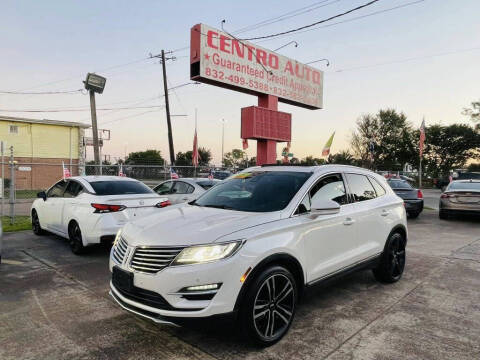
(284, 259)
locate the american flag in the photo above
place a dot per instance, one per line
(120, 170)
(195, 150)
(66, 171)
(422, 137)
(173, 174)
(245, 144)
(210, 174)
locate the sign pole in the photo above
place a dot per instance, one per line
(420, 174)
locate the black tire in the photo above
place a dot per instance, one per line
(75, 237)
(392, 261)
(269, 306)
(413, 214)
(36, 227)
(442, 214)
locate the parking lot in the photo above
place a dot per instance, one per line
(55, 305)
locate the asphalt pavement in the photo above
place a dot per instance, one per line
(55, 305)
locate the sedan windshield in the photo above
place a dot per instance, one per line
(399, 184)
(259, 191)
(120, 187)
(472, 186)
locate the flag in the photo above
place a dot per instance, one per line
(120, 170)
(173, 174)
(245, 144)
(326, 148)
(195, 149)
(66, 172)
(422, 137)
(210, 175)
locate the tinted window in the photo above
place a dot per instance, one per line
(73, 189)
(330, 187)
(181, 187)
(399, 184)
(360, 187)
(57, 189)
(259, 191)
(378, 188)
(207, 184)
(120, 187)
(164, 188)
(464, 186)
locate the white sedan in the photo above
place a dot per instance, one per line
(91, 209)
(184, 189)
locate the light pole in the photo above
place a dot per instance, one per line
(223, 137)
(95, 84)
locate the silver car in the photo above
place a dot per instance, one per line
(184, 189)
(460, 197)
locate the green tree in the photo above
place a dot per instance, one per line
(185, 158)
(235, 158)
(392, 136)
(474, 167)
(450, 147)
(343, 157)
(311, 161)
(474, 113)
(147, 157)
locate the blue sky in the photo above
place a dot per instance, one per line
(60, 41)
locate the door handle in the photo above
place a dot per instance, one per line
(348, 221)
(385, 213)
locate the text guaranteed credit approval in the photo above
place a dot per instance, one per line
(218, 59)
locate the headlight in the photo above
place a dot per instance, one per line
(206, 253)
(117, 237)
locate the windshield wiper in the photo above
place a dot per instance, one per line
(225, 207)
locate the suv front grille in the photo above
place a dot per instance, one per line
(153, 259)
(119, 250)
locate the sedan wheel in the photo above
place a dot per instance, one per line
(270, 306)
(75, 235)
(37, 229)
(393, 259)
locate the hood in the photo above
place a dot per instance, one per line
(190, 225)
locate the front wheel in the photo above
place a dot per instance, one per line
(36, 228)
(392, 261)
(269, 306)
(75, 237)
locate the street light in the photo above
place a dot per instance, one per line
(95, 84)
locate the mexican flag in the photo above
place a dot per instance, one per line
(326, 148)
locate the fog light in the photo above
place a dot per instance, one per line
(203, 287)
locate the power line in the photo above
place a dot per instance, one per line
(313, 24)
(76, 110)
(130, 116)
(42, 92)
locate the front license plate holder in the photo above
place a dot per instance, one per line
(121, 279)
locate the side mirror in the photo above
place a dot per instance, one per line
(324, 207)
(42, 195)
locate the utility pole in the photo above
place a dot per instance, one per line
(163, 60)
(96, 147)
(223, 137)
(12, 186)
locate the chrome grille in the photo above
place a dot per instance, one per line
(153, 259)
(120, 250)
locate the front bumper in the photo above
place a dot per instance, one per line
(167, 283)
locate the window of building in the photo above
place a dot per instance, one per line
(13, 129)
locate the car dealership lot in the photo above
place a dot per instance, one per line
(54, 304)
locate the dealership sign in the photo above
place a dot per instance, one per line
(219, 59)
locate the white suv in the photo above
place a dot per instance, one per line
(253, 243)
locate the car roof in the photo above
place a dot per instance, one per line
(466, 181)
(315, 168)
(92, 178)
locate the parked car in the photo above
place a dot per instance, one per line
(442, 183)
(184, 189)
(91, 209)
(250, 246)
(412, 197)
(460, 197)
(221, 175)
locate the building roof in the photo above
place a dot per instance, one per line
(44, 121)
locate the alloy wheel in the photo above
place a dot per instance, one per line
(274, 306)
(396, 257)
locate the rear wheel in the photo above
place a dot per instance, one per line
(392, 262)
(269, 306)
(36, 228)
(75, 236)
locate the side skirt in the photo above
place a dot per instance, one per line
(369, 263)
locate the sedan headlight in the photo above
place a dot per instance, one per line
(206, 253)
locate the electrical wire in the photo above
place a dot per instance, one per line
(76, 110)
(130, 116)
(313, 24)
(42, 92)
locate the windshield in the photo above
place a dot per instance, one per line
(399, 184)
(473, 186)
(120, 187)
(259, 191)
(207, 184)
